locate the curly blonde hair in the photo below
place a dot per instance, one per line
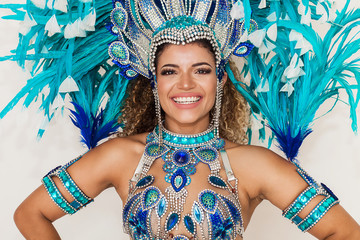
(138, 112)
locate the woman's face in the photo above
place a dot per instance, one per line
(186, 78)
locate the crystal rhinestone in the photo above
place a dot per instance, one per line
(181, 157)
(152, 149)
(119, 17)
(189, 224)
(243, 50)
(161, 207)
(178, 180)
(206, 154)
(172, 220)
(131, 73)
(217, 181)
(197, 213)
(208, 201)
(145, 181)
(151, 197)
(234, 211)
(118, 51)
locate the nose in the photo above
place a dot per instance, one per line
(186, 81)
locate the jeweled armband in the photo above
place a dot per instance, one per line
(80, 199)
(305, 197)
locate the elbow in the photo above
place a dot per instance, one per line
(19, 216)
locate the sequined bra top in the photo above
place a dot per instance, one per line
(214, 211)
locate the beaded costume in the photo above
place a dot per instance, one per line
(291, 70)
(150, 213)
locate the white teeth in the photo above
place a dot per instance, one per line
(186, 100)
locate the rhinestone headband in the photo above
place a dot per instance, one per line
(183, 30)
(143, 25)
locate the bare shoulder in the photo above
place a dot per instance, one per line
(258, 166)
(119, 147)
(111, 163)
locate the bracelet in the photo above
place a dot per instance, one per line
(317, 213)
(80, 199)
(56, 196)
(300, 203)
(313, 190)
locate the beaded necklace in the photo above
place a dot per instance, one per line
(212, 215)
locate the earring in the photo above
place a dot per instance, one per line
(216, 117)
(158, 112)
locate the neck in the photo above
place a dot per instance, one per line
(186, 128)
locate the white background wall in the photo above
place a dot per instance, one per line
(331, 154)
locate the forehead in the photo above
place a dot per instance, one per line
(185, 54)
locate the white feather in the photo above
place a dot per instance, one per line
(306, 18)
(74, 30)
(61, 5)
(288, 87)
(237, 11)
(50, 4)
(304, 45)
(257, 37)
(262, 4)
(58, 102)
(27, 24)
(272, 17)
(39, 3)
(88, 23)
(272, 32)
(244, 37)
(68, 85)
(266, 47)
(52, 26)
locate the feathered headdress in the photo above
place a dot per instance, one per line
(292, 70)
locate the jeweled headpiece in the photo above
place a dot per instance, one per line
(143, 25)
(289, 74)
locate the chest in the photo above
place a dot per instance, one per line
(182, 195)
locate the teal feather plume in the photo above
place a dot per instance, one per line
(290, 103)
(53, 58)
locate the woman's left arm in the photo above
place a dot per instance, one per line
(282, 182)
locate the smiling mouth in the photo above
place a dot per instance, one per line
(186, 100)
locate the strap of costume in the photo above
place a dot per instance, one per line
(227, 166)
(80, 199)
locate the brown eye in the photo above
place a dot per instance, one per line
(167, 72)
(203, 71)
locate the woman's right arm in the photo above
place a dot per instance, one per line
(100, 168)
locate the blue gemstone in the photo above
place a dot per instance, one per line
(151, 197)
(189, 224)
(161, 207)
(216, 181)
(119, 17)
(178, 180)
(145, 181)
(172, 221)
(181, 157)
(197, 214)
(208, 200)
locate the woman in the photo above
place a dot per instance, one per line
(186, 82)
(198, 198)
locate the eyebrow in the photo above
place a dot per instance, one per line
(194, 65)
